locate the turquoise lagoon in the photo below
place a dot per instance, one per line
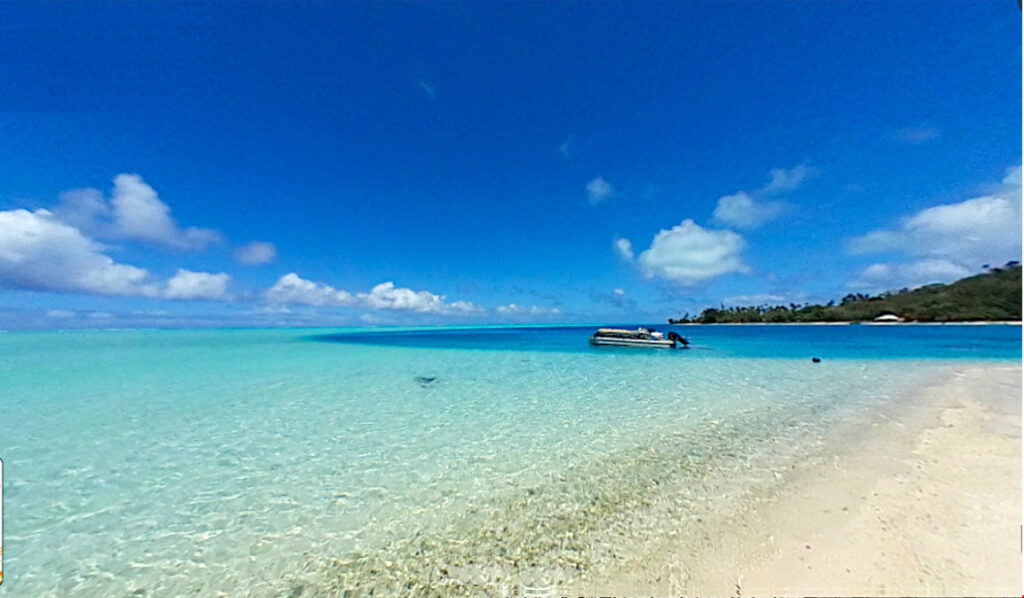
(307, 462)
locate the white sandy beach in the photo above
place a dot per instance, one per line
(928, 503)
(936, 512)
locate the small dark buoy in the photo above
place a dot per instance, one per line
(816, 359)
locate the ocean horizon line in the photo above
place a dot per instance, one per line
(402, 327)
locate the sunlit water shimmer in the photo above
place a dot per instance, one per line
(447, 461)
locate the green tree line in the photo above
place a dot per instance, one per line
(994, 295)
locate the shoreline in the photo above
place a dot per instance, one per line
(926, 502)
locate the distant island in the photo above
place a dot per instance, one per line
(993, 296)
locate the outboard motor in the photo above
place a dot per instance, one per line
(674, 336)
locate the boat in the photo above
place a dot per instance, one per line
(641, 337)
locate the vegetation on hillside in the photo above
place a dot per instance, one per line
(994, 295)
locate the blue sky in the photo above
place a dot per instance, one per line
(496, 162)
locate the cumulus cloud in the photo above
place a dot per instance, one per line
(949, 240)
(290, 288)
(749, 210)
(134, 211)
(387, 296)
(743, 211)
(689, 254)
(139, 214)
(256, 253)
(85, 209)
(914, 274)
(39, 252)
(599, 190)
(197, 285)
(624, 247)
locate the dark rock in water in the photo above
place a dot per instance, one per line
(816, 359)
(425, 381)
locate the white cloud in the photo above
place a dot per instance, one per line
(387, 296)
(1012, 180)
(970, 233)
(948, 241)
(749, 210)
(134, 212)
(139, 214)
(743, 211)
(197, 285)
(86, 210)
(513, 309)
(784, 180)
(599, 190)
(40, 253)
(624, 247)
(61, 314)
(916, 135)
(878, 277)
(290, 288)
(466, 307)
(689, 254)
(877, 241)
(256, 253)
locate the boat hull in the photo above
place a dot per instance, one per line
(632, 342)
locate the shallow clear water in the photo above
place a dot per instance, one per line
(305, 462)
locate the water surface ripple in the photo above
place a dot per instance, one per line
(269, 462)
